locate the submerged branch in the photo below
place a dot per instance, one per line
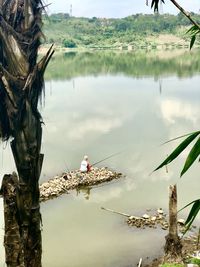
(120, 213)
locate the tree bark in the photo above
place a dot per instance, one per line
(12, 238)
(26, 148)
(21, 84)
(173, 246)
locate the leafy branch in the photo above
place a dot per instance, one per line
(195, 150)
(192, 214)
(192, 156)
(193, 31)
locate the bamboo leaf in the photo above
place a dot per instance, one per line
(193, 29)
(195, 208)
(194, 153)
(192, 41)
(177, 151)
(189, 204)
(155, 3)
(192, 214)
(176, 138)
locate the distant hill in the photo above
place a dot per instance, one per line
(136, 30)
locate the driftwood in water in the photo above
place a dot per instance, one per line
(144, 220)
(120, 213)
(173, 246)
(140, 263)
(152, 220)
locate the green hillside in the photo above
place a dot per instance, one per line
(134, 30)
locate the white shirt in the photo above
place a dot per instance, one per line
(83, 167)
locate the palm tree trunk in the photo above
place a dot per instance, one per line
(26, 148)
(12, 239)
(21, 84)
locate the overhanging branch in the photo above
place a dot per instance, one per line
(185, 13)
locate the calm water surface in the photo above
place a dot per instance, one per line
(99, 104)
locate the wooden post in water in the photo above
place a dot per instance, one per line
(173, 246)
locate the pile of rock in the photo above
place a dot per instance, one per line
(149, 220)
(74, 179)
(152, 221)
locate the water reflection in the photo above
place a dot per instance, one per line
(98, 104)
(160, 86)
(133, 64)
(109, 102)
(85, 191)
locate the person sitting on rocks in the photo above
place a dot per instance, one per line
(85, 165)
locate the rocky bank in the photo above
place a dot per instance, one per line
(75, 179)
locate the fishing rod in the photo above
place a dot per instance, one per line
(113, 155)
(66, 166)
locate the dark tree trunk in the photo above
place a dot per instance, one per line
(26, 149)
(21, 83)
(173, 246)
(12, 239)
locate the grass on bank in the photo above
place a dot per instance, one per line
(195, 261)
(171, 265)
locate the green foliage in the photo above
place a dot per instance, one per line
(192, 214)
(193, 31)
(171, 265)
(195, 261)
(99, 32)
(194, 153)
(59, 17)
(191, 158)
(69, 43)
(123, 25)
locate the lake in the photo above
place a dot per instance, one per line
(100, 103)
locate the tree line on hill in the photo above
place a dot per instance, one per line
(73, 32)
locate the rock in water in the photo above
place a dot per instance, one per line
(73, 179)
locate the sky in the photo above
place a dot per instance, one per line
(115, 8)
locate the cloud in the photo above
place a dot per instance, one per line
(100, 125)
(174, 109)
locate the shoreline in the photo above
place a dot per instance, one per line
(62, 50)
(72, 180)
(189, 251)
